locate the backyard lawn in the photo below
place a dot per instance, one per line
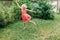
(44, 30)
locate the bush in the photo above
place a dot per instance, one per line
(9, 15)
(2, 16)
(43, 11)
(6, 16)
(46, 9)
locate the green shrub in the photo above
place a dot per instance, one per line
(6, 16)
(2, 16)
(47, 12)
(43, 11)
(9, 15)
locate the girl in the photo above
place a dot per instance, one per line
(25, 17)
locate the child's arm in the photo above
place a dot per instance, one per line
(31, 11)
(18, 4)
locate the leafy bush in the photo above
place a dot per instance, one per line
(2, 16)
(16, 11)
(6, 16)
(9, 15)
(44, 11)
(42, 8)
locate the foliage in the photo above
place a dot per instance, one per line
(9, 15)
(43, 9)
(16, 11)
(2, 15)
(6, 16)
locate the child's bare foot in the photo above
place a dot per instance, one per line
(34, 23)
(24, 27)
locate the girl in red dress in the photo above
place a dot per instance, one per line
(25, 17)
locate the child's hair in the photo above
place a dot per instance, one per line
(24, 5)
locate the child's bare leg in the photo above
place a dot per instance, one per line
(32, 22)
(24, 25)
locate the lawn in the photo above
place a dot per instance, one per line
(44, 30)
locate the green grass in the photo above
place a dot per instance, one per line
(42, 31)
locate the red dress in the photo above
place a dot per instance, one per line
(25, 17)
